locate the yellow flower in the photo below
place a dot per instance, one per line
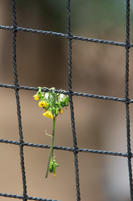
(61, 111)
(43, 104)
(54, 174)
(36, 97)
(48, 114)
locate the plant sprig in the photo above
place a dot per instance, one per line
(52, 104)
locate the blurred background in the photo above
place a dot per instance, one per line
(97, 69)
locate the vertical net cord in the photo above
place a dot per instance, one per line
(127, 97)
(71, 101)
(18, 100)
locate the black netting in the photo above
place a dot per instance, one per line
(75, 149)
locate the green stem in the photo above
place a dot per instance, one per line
(52, 147)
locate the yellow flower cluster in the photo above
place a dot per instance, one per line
(43, 104)
(36, 97)
(48, 114)
(51, 102)
(61, 111)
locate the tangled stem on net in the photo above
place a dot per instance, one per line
(52, 104)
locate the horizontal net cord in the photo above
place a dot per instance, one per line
(22, 197)
(63, 35)
(74, 93)
(63, 148)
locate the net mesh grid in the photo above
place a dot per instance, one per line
(75, 149)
